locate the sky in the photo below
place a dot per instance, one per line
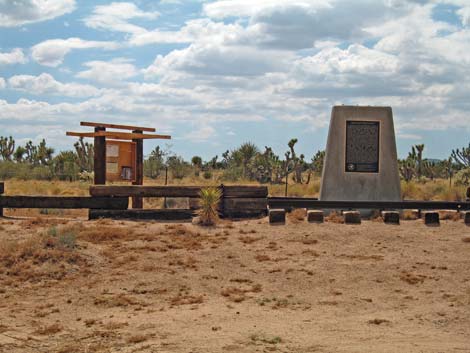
(215, 74)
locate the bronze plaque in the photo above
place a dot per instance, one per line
(362, 146)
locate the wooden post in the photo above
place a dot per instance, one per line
(100, 158)
(2, 190)
(137, 202)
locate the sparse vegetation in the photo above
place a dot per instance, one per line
(209, 202)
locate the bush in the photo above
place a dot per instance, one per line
(24, 171)
(462, 178)
(178, 167)
(207, 174)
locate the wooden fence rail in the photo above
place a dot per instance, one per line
(64, 202)
(298, 202)
(228, 191)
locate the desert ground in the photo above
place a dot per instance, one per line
(71, 285)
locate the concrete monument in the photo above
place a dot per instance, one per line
(361, 156)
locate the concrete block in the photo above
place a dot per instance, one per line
(361, 156)
(466, 218)
(315, 216)
(352, 217)
(391, 217)
(431, 218)
(277, 216)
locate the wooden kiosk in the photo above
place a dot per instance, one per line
(119, 156)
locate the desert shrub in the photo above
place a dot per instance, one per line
(41, 255)
(207, 174)
(24, 171)
(463, 177)
(178, 167)
(210, 198)
(232, 173)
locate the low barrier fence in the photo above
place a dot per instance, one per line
(311, 203)
(237, 202)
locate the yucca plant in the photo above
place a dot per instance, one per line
(210, 198)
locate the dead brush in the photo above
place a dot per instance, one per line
(409, 215)
(186, 299)
(237, 295)
(41, 255)
(209, 200)
(177, 236)
(334, 217)
(106, 233)
(297, 215)
(450, 216)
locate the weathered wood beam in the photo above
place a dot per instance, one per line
(117, 126)
(145, 191)
(136, 214)
(242, 191)
(99, 156)
(245, 204)
(2, 190)
(115, 135)
(177, 191)
(64, 202)
(137, 201)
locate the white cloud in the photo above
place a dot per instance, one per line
(2, 83)
(21, 12)
(464, 14)
(115, 16)
(218, 60)
(298, 24)
(15, 56)
(52, 52)
(201, 134)
(46, 84)
(246, 8)
(108, 72)
(200, 29)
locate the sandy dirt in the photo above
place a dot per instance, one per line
(241, 287)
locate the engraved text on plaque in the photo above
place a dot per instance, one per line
(362, 146)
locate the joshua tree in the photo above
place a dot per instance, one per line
(44, 153)
(419, 159)
(317, 164)
(19, 154)
(407, 168)
(462, 157)
(31, 152)
(85, 153)
(7, 147)
(297, 162)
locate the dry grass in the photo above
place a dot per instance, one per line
(49, 330)
(106, 233)
(186, 299)
(334, 217)
(43, 255)
(237, 295)
(297, 215)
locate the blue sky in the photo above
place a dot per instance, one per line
(215, 74)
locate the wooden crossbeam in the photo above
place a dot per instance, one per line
(118, 135)
(116, 126)
(64, 202)
(234, 191)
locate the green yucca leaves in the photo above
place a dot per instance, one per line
(210, 198)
